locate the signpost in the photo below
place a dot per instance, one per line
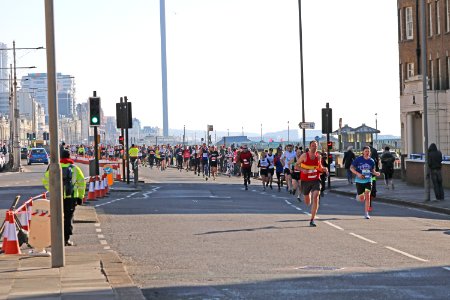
(306, 125)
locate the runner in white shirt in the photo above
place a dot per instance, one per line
(287, 159)
(270, 156)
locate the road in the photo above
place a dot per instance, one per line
(182, 237)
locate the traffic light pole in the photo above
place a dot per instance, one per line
(126, 142)
(123, 145)
(97, 168)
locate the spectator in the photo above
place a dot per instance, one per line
(349, 157)
(387, 166)
(435, 165)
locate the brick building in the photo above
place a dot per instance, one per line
(437, 14)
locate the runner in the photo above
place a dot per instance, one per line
(263, 165)
(204, 154)
(310, 166)
(271, 169)
(296, 175)
(364, 167)
(187, 157)
(245, 158)
(151, 157)
(287, 159)
(279, 168)
(213, 160)
(179, 155)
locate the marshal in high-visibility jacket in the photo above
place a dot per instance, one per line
(70, 200)
(133, 152)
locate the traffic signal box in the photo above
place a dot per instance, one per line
(330, 145)
(94, 111)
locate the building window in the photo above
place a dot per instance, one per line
(448, 72)
(351, 138)
(431, 75)
(400, 25)
(447, 15)
(438, 73)
(410, 70)
(409, 23)
(430, 19)
(368, 137)
(438, 17)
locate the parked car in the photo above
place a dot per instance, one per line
(37, 155)
(23, 153)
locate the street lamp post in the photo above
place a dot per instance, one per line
(301, 69)
(376, 128)
(261, 133)
(184, 133)
(288, 133)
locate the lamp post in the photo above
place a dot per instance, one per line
(301, 69)
(261, 133)
(376, 133)
(228, 132)
(184, 133)
(288, 133)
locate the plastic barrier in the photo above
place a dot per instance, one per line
(39, 237)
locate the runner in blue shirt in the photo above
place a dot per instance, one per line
(364, 167)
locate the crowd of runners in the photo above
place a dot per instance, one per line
(301, 172)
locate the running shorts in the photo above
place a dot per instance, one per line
(310, 186)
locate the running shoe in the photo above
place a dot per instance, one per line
(299, 199)
(367, 215)
(271, 187)
(312, 224)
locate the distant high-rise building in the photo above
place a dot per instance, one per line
(3, 68)
(4, 92)
(36, 83)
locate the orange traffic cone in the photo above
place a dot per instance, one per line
(118, 176)
(23, 217)
(10, 242)
(98, 193)
(91, 192)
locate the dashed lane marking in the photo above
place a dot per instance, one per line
(100, 236)
(132, 194)
(446, 268)
(97, 224)
(332, 225)
(406, 254)
(103, 242)
(98, 230)
(107, 248)
(362, 238)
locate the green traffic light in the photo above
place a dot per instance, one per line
(94, 120)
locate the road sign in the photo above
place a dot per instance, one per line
(306, 125)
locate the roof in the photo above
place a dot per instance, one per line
(239, 139)
(361, 129)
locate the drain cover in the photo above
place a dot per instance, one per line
(318, 268)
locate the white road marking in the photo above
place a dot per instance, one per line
(107, 248)
(132, 194)
(362, 238)
(97, 224)
(103, 242)
(332, 225)
(100, 236)
(287, 201)
(109, 202)
(406, 254)
(446, 268)
(98, 230)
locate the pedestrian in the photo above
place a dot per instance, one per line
(74, 188)
(62, 147)
(311, 167)
(295, 175)
(279, 168)
(387, 167)
(376, 159)
(364, 167)
(349, 157)
(435, 165)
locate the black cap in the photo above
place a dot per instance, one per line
(65, 154)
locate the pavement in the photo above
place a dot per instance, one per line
(402, 194)
(90, 272)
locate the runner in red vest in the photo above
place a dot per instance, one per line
(245, 157)
(311, 168)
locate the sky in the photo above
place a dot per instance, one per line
(230, 63)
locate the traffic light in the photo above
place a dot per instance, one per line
(330, 145)
(327, 117)
(28, 136)
(330, 158)
(121, 139)
(46, 136)
(94, 111)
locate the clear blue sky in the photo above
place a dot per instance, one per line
(231, 63)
